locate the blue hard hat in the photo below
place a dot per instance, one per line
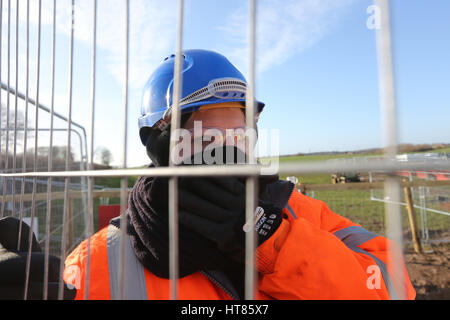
(208, 77)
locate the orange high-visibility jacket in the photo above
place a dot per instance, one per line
(314, 254)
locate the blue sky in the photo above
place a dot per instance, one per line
(317, 67)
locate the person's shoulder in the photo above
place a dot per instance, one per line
(302, 206)
(94, 243)
(298, 198)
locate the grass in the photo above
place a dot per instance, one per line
(444, 150)
(316, 178)
(326, 178)
(357, 204)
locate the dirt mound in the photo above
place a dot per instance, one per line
(430, 271)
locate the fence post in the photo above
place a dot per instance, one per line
(70, 221)
(412, 220)
(423, 215)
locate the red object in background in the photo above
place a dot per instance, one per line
(421, 174)
(442, 176)
(106, 213)
(403, 173)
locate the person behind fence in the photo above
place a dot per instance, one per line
(304, 250)
(19, 257)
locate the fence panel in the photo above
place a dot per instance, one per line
(49, 180)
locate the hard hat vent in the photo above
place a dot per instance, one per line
(172, 56)
(224, 88)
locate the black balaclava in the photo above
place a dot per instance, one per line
(158, 143)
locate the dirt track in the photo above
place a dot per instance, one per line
(430, 272)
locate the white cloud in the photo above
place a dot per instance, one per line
(152, 32)
(152, 36)
(284, 28)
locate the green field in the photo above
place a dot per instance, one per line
(316, 178)
(358, 206)
(326, 178)
(444, 150)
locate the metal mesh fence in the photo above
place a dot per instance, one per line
(24, 207)
(65, 218)
(367, 208)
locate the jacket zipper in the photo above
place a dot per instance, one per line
(220, 285)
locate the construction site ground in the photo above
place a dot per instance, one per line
(430, 271)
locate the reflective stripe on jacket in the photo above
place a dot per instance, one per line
(314, 254)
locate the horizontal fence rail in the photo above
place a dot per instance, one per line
(244, 170)
(115, 193)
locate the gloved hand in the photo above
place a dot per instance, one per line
(13, 265)
(215, 208)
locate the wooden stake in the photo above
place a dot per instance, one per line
(412, 220)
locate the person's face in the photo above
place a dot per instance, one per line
(217, 125)
(221, 115)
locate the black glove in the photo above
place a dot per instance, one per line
(13, 265)
(148, 228)
(215, 208)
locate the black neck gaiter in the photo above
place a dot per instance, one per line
(149, 233)
(148, 229)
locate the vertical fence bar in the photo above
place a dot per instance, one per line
(35, 166)
(392, 187)
(14, 164)
(173, 181)
(68, 162)
(90, 227)
(1, 108)
(8, 77)
(5, 184)
(50, 159)
(124, 180)
(25, 133)
(423, 215)
(251, 185)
